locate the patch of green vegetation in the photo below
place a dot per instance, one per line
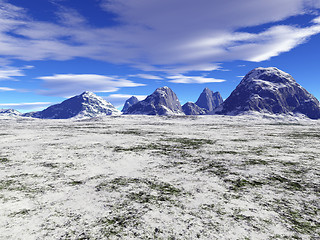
(216, 168)
(179, 144)
(239, 140)
(289, 163)
(113, 226)
(11, 185)
(50, 165)
(301, 225)
(162, 188)
(241, 183)
(4, 160)
(289, 184)
(256, 162)
(241, 217)
(257, 150)
(222, 152)
(302, 135)
(190, 143)
(22, 212)
(285, 124)
(131, 132)
(75, 182)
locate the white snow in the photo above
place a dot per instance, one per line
(253, 176)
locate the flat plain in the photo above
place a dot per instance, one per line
(144, 177)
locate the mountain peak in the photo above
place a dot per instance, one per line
(163, 101)
(273, 91)
(84, 105)
(88, 94)
(270, 74)
(129, 102)
(209, 100)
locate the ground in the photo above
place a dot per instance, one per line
(143, 177)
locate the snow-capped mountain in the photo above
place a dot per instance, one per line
(270, 90)
(84, 105)
(129, 103)
(163, 101)
(191, 108)
(209, 99)
(9, 112)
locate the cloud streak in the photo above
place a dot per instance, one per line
(193, 79)
(66, 85)
(160, 35)
(27, 106)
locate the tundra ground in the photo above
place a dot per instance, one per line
(142, 177)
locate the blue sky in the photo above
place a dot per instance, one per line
(54, 49)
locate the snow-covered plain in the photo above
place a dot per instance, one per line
(148, 177)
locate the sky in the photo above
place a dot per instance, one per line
(51, 50)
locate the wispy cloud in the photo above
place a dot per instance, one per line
(6, 74)
(146, 76)
(193, 79)
(160, 35)
(6, 89)
(66, 85)
(27, 106)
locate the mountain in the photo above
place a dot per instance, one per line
(191, 108)
(84, 105)
(163, 101)
(9, 112)
(209, 99)
(129, 103)
(270, 90)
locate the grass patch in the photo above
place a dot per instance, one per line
(301, 135)
(288, 184)
(4, 160)
(242, 183)
(190, 143)
(256, 162)
(76, 182)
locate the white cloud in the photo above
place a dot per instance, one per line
(160, 35)
(146, 76)
(32, 105)
(193, 79)
(66, 85)
(316, 20)
(6, 74)
(6, 89)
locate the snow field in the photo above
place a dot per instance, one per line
(147, 177)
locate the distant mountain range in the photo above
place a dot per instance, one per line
(265, 90)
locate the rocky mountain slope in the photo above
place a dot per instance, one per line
(270, 90)
(191, 108)
(9, 112)
(84, 105)
(163, 101)
(209, 99)
(129, 102)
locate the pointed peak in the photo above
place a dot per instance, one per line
(132, 98)
(87, 93)
(163, 89)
